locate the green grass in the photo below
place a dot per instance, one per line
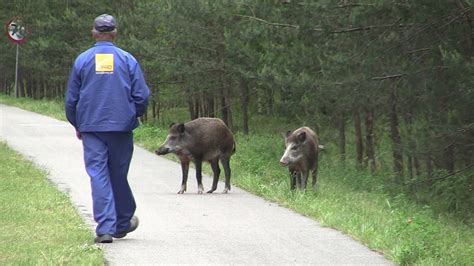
(354, 202)
(53, 108)
(38, 223)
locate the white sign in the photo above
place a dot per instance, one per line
(16, 32)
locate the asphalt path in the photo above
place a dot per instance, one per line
(234, 228)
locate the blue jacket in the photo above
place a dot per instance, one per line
(106, 90)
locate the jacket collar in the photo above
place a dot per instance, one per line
(104, 43)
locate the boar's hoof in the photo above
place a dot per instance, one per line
(200, 189)
(225, 191)
(212, 189)
(182, 190)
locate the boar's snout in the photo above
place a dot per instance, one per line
(284, 162)
(162, 150)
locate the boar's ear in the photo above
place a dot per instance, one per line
(302, 136)
(181, 128)
(288, 133)
(172, 124)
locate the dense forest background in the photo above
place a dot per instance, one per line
(376, 79)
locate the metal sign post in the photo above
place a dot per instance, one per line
(16, 70)
(16, 33)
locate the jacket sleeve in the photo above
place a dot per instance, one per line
(72, 95)
(140, 90)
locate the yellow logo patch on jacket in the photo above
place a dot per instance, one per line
(104, 63)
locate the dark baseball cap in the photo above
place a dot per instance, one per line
(104, 23)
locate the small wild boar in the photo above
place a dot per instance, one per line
(301, 156)
(202, 139)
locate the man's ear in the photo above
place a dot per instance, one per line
(302, 136)
(181, 128)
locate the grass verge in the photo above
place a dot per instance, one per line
(354, 202)
(39, 224)
(53, 108)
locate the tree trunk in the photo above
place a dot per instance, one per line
(462, 5)
(39, 89)
(57, 91)
(223, 78)
(158, 110)
(224, 109)
(230, 117)
(416, 162)
(469, 149)
(22, 88)
(31, 87)
(369, 128)
(449, 158)
(410, 166)
(395, 133)
(342, 137)
(413, 161)
(190, 103)
(196, 107)
(228, 94)
(244, 96)
(202, 106)
(5, 87)
(144, 117)
(192, 114)
(209, 106)
(429, 165)
(358, 137)
(448, 151)
(35, 89)
(270, 101)
(28, 85)
(45, 89)
(154, 113)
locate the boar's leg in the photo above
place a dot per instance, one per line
(315, 172)
(304, 179)
(292, 180)
(185, 170)
(198, 164)
(226, 164)
(217, 171)
(315, 177)
(298, 179)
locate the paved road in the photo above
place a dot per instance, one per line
(234, 228)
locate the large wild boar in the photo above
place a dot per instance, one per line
(301, 156)
(202, 139)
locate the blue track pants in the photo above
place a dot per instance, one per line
(107, 157)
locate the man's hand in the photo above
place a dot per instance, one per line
(78, 135)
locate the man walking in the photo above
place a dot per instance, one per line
(106, 94)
